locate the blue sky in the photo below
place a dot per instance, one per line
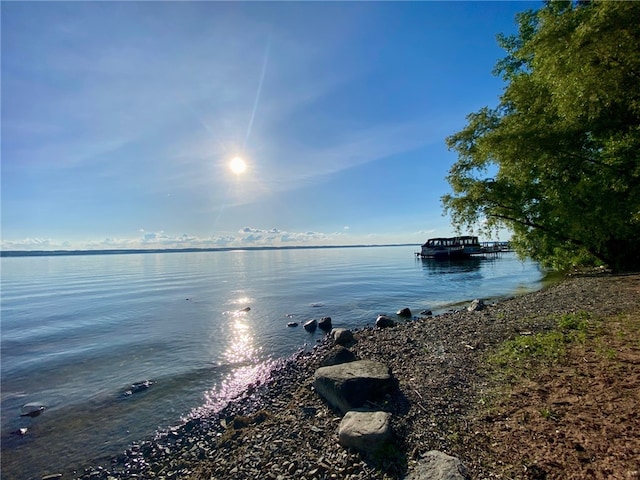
(119, 120)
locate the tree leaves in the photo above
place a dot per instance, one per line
(558, 160)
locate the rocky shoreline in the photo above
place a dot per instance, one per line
(281, 429)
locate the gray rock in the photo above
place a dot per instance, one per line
(325, 324)
(383, 321)
(436, 465)
(364, 431)
(32, 409)
(338, 355)
(342, 336)
(292, 324)
(311, 325)
(476, 305)
(404, 312)
(349, 385)
(138, 387)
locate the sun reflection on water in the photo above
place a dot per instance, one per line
(241, 301)
(242, 381)
(242, 352)
(241, 348)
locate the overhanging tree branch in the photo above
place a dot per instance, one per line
(564, 138)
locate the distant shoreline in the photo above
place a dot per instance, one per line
(59, 253)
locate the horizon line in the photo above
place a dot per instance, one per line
(129, 251)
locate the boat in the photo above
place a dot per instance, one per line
(471, 245)
(448, 248)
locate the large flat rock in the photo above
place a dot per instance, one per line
(349, 386)
(365, 431)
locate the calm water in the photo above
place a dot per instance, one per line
(77, 331)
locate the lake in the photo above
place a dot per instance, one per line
(78, 331)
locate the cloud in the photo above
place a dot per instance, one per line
(245, 237)
(275, 236)
(28, 244)
(149, 237)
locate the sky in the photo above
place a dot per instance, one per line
(120, 120)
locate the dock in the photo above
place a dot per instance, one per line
(496, 247)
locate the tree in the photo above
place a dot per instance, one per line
(557, 162)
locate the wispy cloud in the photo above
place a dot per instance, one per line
(172, 110)
(357, 147)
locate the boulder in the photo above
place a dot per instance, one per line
(292, 324)
(476, 305)
(364, 431)
(383, 321)
(337, 356)
(404, 312)
(350, 385)
(342, 336)
(436, 465)
(325, 324)
(426, 312)
(311, 325)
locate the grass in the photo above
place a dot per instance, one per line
(548, 413)
(524, 352)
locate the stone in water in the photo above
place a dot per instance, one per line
(32, 409)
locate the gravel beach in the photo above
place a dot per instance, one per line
(281, 429)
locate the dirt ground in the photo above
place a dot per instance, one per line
(576, 419)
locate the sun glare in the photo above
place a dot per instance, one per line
(238, 166)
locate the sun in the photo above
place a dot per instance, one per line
(238, 166)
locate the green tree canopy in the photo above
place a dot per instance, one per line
(557, 161)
